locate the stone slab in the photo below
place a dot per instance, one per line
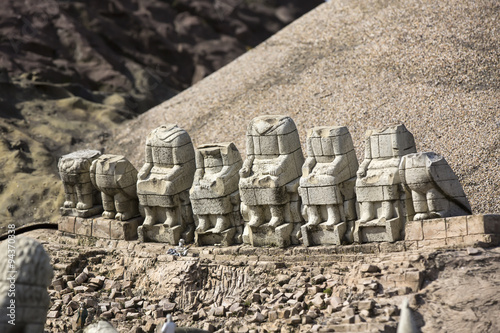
(160, 233)
(456, 226)
(67, 224)
(266, 235)
(83, 226)
(378, 231)
(413, 231)
(95, 210)
(225, 238)
(124, 230)
(434, 229)
(323, 235)
(483, 224)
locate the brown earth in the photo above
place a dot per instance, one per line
(71, 71)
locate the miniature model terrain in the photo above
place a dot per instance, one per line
(342, 176)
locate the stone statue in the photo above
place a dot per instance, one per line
(165, 179)
(24, 300)
(327, 185)
(432, 186)
(80, 194)
(214, 194)
(269, 179)
(116, 178)
(378, 185)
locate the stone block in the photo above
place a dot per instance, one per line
(266, 235)
(432, 243)
(161, 233)
(413, 231)
(457, 241)
(456, 226)
(378, 231)
(483, 240)
(322, 234)
(483, 224)
(83, 226)
(67, 224)
(224, 238)
(434, 229)
(125, 230)
(101, 228)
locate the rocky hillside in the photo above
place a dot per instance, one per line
(72, 71)
(355, 288)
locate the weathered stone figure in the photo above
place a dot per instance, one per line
(33, 274)
(214, 194)
(80, 194)
(327, 184)
(432, 187)
(269, 177)
(165, 179)
(116, 178)
(378, 186)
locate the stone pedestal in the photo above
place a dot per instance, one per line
(323, 234)
(95, 210)
(160, 233)
(100, 227)
(225, 238)
(378, 230)
(266, 235)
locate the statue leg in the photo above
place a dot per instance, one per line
(277, 215)
(256, 216)
(69, 193)
(108, 205)
(333, 215)
(313, 215)
(173, 215)
(388, 209)
(350, 210)
(203, 223)
(366, 211)
(84, 195)
(126, 208)
(222, 224)
(420, 206)
(437, 203)
(150, 216)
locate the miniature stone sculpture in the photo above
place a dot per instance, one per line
(163, 185)
(116, 178)
(378, 186)
(432, 187)
(24, 299)
(215, 195)
(327, 185)
(81, 198)
(269, 181)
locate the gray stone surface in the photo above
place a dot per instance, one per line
(26, 279)
(116, 178)
(81, 197)
(432, 188)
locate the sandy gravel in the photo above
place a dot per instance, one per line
(433, 65)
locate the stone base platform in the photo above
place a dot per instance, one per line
(265, 235)
(94, 211)
(160, 233)
(322, 234)
(456, 231)
(101, 227)
(378, 230)
(226, 238)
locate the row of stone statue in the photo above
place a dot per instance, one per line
(275, 197)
